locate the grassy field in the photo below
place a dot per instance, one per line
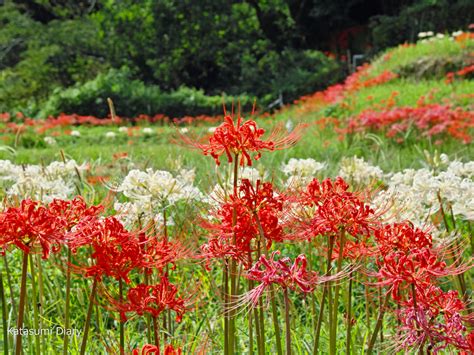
(320, 143)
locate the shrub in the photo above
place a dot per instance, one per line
(132, 97)
(290, 73)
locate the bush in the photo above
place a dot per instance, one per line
(290, 73)
(133, 97)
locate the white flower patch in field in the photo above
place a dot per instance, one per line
(147, 131)
(123, 129)
(150, 192)
(251, 174)
(41, 188)
(301, 171)
(75, 133)
(425, 34)
(159, 185)
(50, 140)
(357, 171)
(8, 170)
(302, 167)
(44, 183)
(68, 170)
(289, 126)
(218, 195)
(417, 195)
(110, 134)
(141, 213)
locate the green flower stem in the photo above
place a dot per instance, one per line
(349, 315)
(68, 297)
(226, 306)
(4, 315)
(287, 321)
(121, 325)
(21, 309)
(276, 326)
(88, 317)
(250, 323)
(233, 266)
(334, 324)
(326, 290)
(9, 281)
(34, 304)
(259, 313)
(156, 331)
(378, 325)
(41, 299)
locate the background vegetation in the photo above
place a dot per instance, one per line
(180, 57)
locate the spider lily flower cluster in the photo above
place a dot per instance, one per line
(431, 120)
(252, 221)
(150, 193)
(276, 248)
(422, 195)
(44, 183)
(410, 265)
(114, 253)
(284, 273)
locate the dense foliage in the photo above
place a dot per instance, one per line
(268, 49)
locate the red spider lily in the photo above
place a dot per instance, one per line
(234, 138)
(282, 272)
(334, 209)
(29, 226)
(152, 299)
(116, 251)
(73, 211)
(417, 267)
(401, 237)
(470, 343)
(263, 202)
(318, 192)
(260, 196)
(354, 250)
(67, 120)
(336, 214)
(226, 238)
(460, 73)
(157, 254)
(256, 207)
(433, 319)
(431, 119)
(217, 249)
(153, 349)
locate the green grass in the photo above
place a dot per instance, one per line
(160, 151)
(403, 56)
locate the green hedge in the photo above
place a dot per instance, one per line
(289, 74)
(133, 97)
